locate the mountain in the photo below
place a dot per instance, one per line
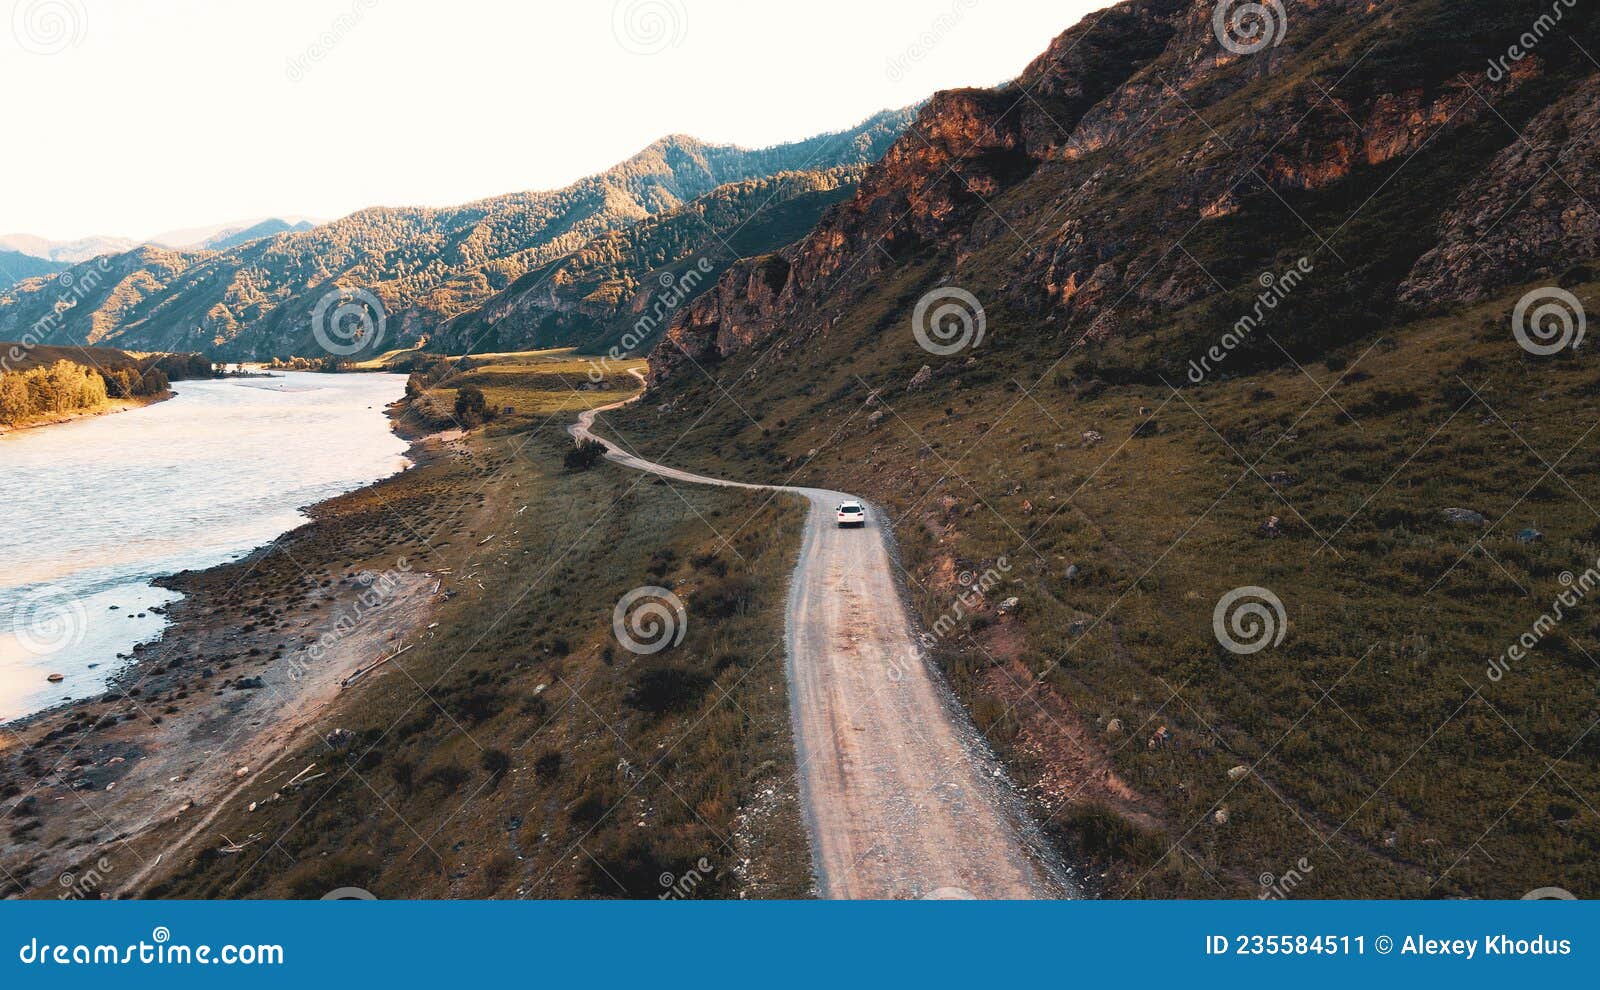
(1182, 318)
(17, 267)
(1065, 194)
(221, 237)
(67, 252)
(613, 290)
(425, 265)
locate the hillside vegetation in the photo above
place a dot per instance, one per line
(43, 383)
(260, 299)
(620, 289)
(1249, 321)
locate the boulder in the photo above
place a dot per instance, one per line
(1466, 516)
(920, 380)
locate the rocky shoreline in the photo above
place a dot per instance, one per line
(254, 653)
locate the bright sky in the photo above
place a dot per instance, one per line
(133, 117)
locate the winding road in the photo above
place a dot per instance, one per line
(902, 797)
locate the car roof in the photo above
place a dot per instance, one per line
(851, 504)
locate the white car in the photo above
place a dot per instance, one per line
(852, 514)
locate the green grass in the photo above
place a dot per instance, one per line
(523, 751)
(1416, 775)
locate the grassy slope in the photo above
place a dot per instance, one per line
(617, 768)
(1447, 412)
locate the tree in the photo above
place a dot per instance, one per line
(472, 408)
(585, 455)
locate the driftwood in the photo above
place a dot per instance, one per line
(371, 667)
(232, 847)
(295, 785)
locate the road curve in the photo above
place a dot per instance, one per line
(902, 799)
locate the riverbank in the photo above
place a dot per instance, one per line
(111, 407)
(229, 762)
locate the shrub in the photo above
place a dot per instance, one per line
(472, 409)
(662, 689)
(584, 455)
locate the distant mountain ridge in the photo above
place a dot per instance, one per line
(426, 265)
(221, 237)
(214, 237)
(18, 267)
(67, 252)
(616, 290)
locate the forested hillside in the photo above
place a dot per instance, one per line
(620, 289)
(419, 266)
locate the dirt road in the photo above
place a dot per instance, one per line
(902, 798)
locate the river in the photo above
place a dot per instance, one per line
(95, 509)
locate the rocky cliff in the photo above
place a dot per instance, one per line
(1142, 171)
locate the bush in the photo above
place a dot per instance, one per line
(495, 762)
(472, 409)
(658, 690)
(585, 455)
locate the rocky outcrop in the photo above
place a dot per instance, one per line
(966, 148)
(1532, 215)
(1066, 195)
